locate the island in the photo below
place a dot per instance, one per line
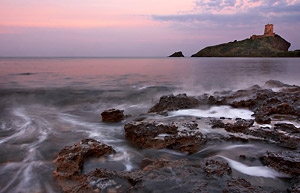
(177, 54)
(267, 45)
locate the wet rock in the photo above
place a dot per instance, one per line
(295, 188)
(286, 161)
(285, 135)
(262, 119)
(71, 158)
(172, 134)
(70, 161)
(241, 185)
(274, 84)
(113, 115)
(216, 123)
(241, 125)
(182, 176)
(217, 168)
(290, 128)
(171, 102)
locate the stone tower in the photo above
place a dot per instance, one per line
(269, 30)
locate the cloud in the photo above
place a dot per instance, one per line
(238, 12)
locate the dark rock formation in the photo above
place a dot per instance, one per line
(289, 138)
(177, 54)
(171, 102)
(240, 125)
(197, 172)
(263, 47)
(172, 134)
(112, 115)
(71, 158)
(70, 161)
(286, 161)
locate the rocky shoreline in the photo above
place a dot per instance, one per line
(275, 122)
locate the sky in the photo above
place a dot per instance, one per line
(137, 28)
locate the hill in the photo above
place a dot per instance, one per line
(270, 46)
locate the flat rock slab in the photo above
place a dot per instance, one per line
(173, 134)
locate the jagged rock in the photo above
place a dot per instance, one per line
(177, 54)
(172, 134)
(171, 102)
(70, 160)
(286, 161)
(241, 185)
(289, 139)
(113, 115)
(240, 125)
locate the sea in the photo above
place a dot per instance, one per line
(49, 103)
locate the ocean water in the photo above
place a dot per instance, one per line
(48, 103)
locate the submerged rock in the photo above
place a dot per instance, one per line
(113, 115)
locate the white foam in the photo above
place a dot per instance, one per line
(238, 146)
(259, 171)
(173, 152)
(262, 125)
(216, 111)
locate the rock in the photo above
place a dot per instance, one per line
(177, 54)
(262, 119)
(71, 158)
(112, 115)
(285, 135)
(172, 134)
(171, 102)
(70, 161)
(217, 167)
(241, 185)
(241, 125)
(290, 128)
(295, 188)
(182, 176)
(286, 161)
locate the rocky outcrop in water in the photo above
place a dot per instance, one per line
(113, 115)
(286, 161)
(171, 102)
(275, 123)
(177, 54)
(161, 175)
(173, 134)
(70, 160)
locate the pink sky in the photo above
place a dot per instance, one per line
(137, 27)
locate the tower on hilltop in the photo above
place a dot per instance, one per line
(268, 32)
